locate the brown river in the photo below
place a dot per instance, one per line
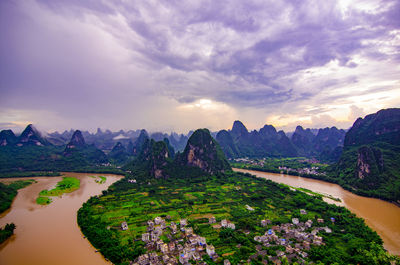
(49, 235)
(381, 216)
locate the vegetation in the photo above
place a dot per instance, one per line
(370, 163)
(66, 185)
(99, 179)
(225, 197)
(8, 192)
(6, 232)
(24, 174)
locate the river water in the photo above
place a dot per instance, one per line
(381, 216)
(50, 234)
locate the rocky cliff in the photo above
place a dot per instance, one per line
(370, 163)
(203, 152)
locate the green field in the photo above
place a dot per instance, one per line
(66, 185)
(224, 197)
(99, 179)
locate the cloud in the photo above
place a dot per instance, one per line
(120, 64)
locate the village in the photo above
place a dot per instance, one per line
(182, 245)
(311, 170)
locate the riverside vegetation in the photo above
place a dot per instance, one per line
(244, 200)
(8, 192)
(66, 185)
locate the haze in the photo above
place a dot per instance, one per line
(176, 66)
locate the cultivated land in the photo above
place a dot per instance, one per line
(322, 232)
(66, 185)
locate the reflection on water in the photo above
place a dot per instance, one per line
(50, 234)
(381, 216)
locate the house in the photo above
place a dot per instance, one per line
(332, 219)
(145, 237)
(308, 223)
(210, 250)
(302, 211)
(132, 180)
(224, 223)
(164, 248)
(183, 258)
(327, 229)
(295, 221)
(154, 236)
(183, 222)
(202, 241)
(265, 222)
(158, 220)
(320, 220)
(212, 220)
(231, 226)
(143, 259)
(196, 256)
(124, 226)
(249, 208)
(227, 262)
(189, 231)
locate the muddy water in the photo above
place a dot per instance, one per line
(50, 234)
(381, 216)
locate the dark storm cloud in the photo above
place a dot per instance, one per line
(75, 57)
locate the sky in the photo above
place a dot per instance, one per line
(181, 65)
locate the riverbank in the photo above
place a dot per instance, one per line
(54, 225)
(381, 216)
(325, 178)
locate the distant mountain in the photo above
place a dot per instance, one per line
(118, 154)
(7, 137)
(153, 159)
(203, 152)
(138, 144)
(303, 141)
(31, 136)
(370, 163)
(87, 154)
(239, 142)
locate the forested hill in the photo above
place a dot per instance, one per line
(370, 163)
(325, 145)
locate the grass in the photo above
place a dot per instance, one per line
(66, 185)
(99, 179)
(43, 200)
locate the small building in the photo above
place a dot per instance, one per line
(227, 262)
(146, 237)
(265, 222)
(308, 223)
(224, 223)
(171, 246)
(327, 229)
(158, 220)
(231, 226)
(212, 220)
(333, 220)
(143, 259)
(210, 250)
(302, 211)
(320, 220)
(189, 231)
(183, 258)
(295, 221)
(249, 208)
(124, 226)
(202, 241)
(183, 222)
(164, 248)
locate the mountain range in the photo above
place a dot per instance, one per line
(325, 145)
